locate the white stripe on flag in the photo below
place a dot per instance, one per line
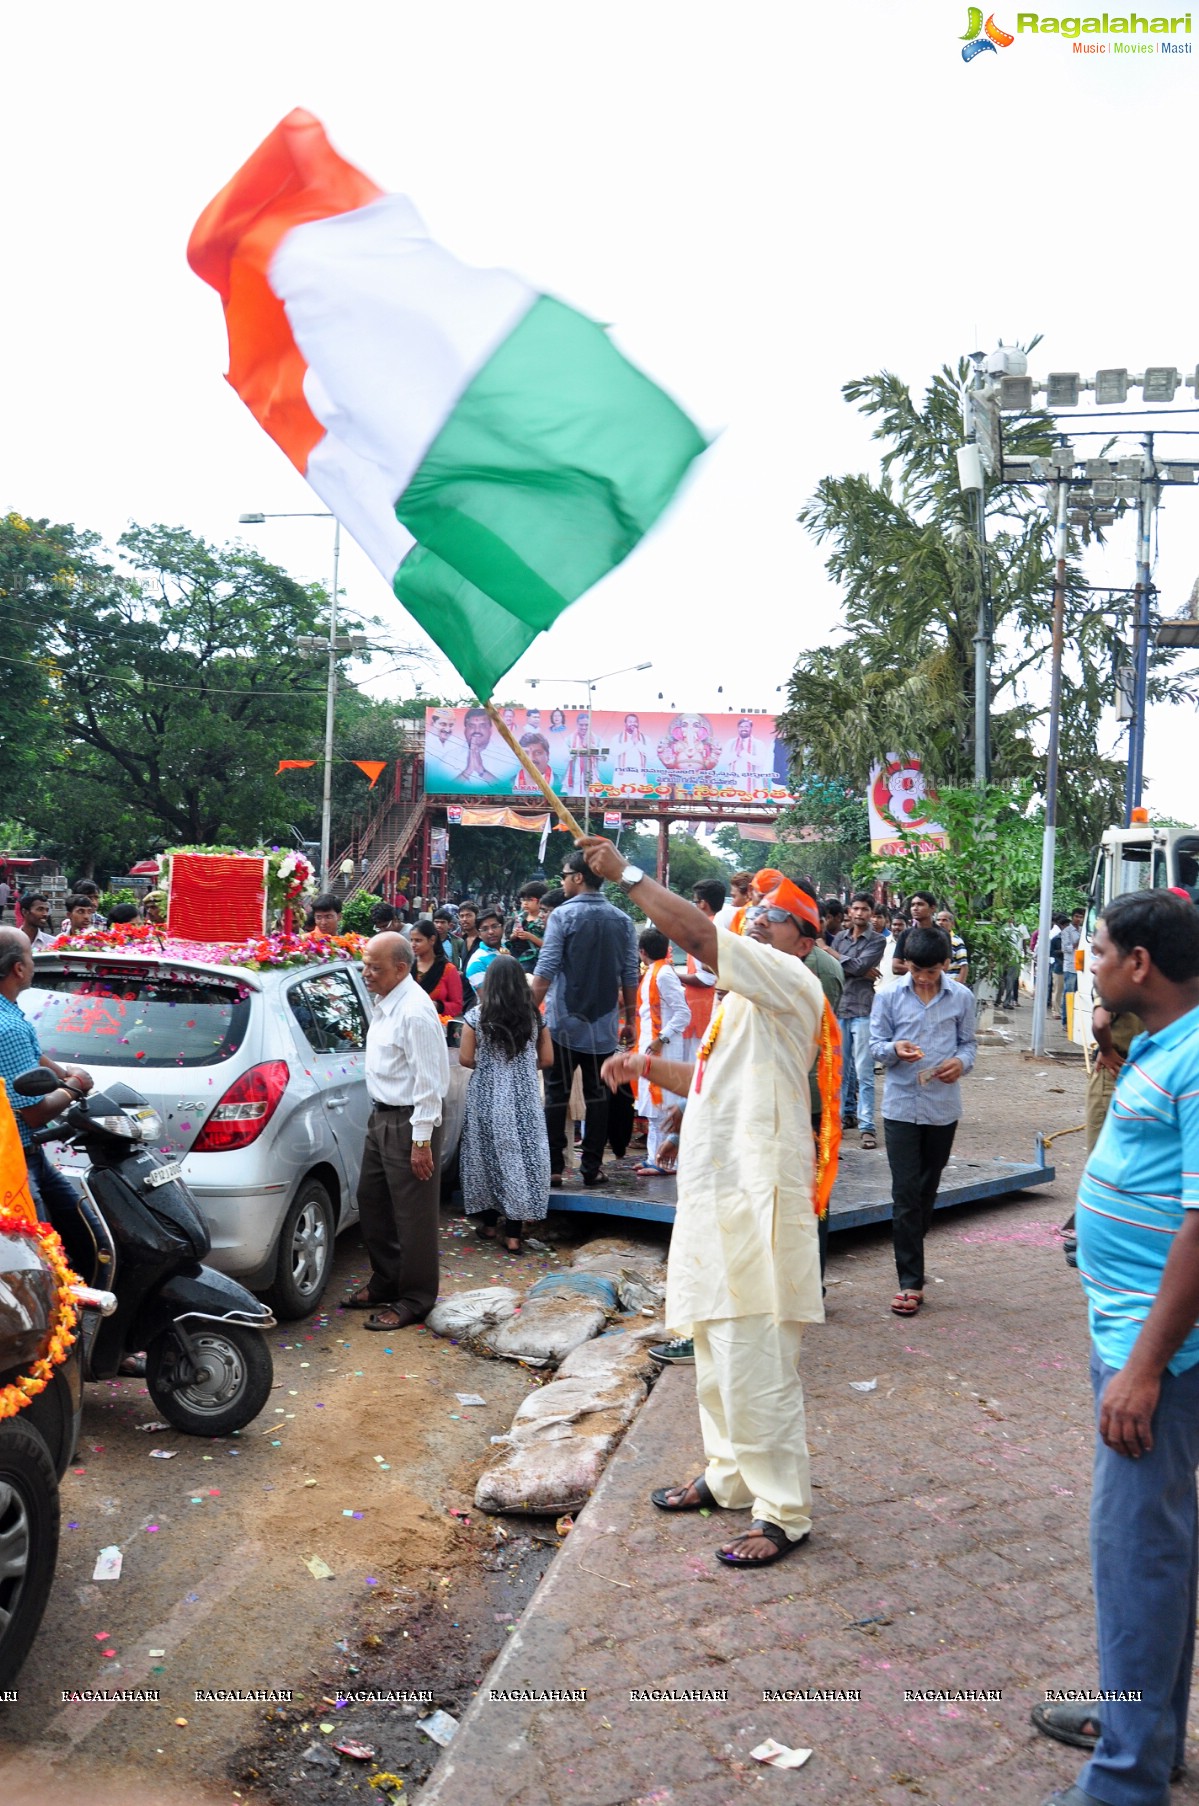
(392, 329)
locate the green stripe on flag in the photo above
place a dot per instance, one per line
(555, 461)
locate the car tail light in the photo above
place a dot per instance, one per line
(245, 1109)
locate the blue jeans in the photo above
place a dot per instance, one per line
(49, 1188)
(857, 1064)
(1069, 989)
(1145, 1564)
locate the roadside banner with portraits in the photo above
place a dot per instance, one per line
(900, 801)
(609, 754)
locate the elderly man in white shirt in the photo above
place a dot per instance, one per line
(407, 1076)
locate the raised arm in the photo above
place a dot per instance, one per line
(679, 920)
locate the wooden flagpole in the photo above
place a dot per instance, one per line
(552, 798)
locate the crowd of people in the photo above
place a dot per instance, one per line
(752, 1057)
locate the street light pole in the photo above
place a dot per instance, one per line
(330, 702)
(1040, 998)
(1147, 502)
(589, 684)
(252, 520)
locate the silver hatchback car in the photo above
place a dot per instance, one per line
(259, 1079)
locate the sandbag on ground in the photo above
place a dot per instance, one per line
(545, 1330)
(573, 1400)
(620, 1354)
(560, 1440)
(469, 1313)
(598, 1288)
(547, 1478)
(612, 1254)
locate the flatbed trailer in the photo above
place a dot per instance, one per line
(862, 1194)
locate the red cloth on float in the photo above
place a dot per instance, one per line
(217, 896)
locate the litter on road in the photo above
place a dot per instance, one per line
(778, 1755)
(440, 1726)
(108, 1565)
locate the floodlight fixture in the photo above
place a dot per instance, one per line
(1111, 387)
(1015, 394)
(1160, 382)
(1061, 390)
(1098, 467)
(1105, 489)
(1129, 467)
(1179, 473)
(1128, 488)
(1103, 519)
(1008, 360)
(1062, 458)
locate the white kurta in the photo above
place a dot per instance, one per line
(675, 1019)
(745, 1234)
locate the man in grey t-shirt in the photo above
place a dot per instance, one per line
(586, 974)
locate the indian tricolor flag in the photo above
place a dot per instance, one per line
(487, 446)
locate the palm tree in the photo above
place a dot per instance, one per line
(909, 559)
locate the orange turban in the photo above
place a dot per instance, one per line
(767, 880)
(796, 902)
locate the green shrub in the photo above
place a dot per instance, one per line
(356, 915)
(110, 899)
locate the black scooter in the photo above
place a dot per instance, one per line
(135, 1231)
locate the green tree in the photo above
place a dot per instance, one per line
(906, 553)
(989, 876)
(38, 563)
(172, 689)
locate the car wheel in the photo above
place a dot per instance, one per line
(305, 1253)
(28, 1541)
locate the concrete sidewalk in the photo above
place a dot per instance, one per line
(949, 1552)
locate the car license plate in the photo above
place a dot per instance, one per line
(162, 1174)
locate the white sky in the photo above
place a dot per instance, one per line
(764, 200)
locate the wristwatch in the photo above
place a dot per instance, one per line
(631, 875)
(422, 1144)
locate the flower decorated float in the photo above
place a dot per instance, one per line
(227, 907)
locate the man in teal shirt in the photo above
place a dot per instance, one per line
(1138, 1259)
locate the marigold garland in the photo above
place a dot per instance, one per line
(828, 1079)
(17, 1394)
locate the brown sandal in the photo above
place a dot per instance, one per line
(674, 1498)
(906, 1304)
(360, 1300)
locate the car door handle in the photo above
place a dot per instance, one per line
(337, 1100)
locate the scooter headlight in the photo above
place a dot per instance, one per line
(118, 1125)
(150, 1121)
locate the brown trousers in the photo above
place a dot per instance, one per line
(397, 1213)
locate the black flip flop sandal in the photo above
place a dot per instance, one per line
(703, 1502)
(774, 1533)
(1065, 1723)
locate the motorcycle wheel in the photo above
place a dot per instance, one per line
(28, 1541)
(235, 1387)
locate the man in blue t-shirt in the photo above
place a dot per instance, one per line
(20, 1051)
(1138, 1259)
(490, 946)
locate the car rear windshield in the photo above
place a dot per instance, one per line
(130, 1017)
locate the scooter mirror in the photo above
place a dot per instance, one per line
(39, 1082)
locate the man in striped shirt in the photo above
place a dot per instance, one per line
(1138, 1258)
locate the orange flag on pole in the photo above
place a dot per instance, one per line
(374, 768)
(294, 765)
(15, 1197)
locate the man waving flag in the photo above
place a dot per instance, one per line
(486, 445)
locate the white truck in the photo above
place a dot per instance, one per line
(1144, 856)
